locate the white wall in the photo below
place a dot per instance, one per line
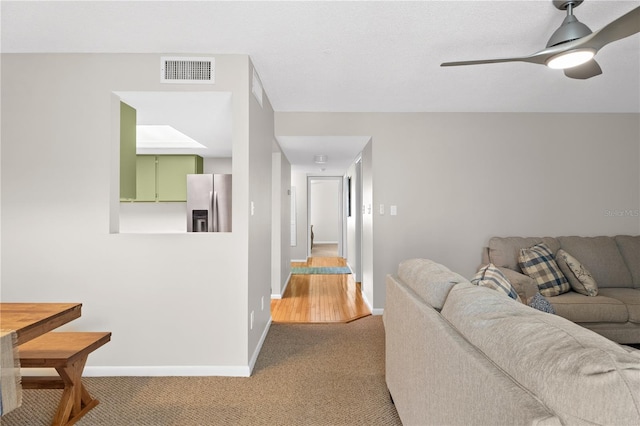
(459, 178)
(324, 211)
(220, 165)
(153, 217)
(160, 294)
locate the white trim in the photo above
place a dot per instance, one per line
(298, 260)
(169, 370)
(378, 311)
(325, 242)
(279, 295)
(254, 358)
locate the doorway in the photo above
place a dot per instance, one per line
(325, 216)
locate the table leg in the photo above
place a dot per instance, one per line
(76, 400)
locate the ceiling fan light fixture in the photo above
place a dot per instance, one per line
(570, 59)
(320, 159)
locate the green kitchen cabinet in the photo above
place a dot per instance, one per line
(171, 175)
(164, 177)
(145, 178)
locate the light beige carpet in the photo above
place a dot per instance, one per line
(306, 374)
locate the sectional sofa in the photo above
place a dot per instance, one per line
(461, 354)
(614, 263)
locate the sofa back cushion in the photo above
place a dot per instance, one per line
(600, 255)
(504, 251)
(630, 249)
(568, 367)
(429, 280)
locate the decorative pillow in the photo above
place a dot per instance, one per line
(538, 263)
(540, 303)
(490, 276)
(579, 277)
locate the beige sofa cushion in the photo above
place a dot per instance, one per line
(583, 377)
(630, 249)
(577, 307)
(429, 280)
(631, 299)
(600, 255)
(504, 251)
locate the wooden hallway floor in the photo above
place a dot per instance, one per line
(320, 298)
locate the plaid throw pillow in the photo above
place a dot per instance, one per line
(492, 277)
(539, 263)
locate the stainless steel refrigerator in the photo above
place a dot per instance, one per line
(209, 203)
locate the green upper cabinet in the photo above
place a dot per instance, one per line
(127, 152)
(172, 171)
(164, 177)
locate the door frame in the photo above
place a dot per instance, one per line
(341, 225)
(358, 212)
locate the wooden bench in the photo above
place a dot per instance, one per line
(67, 352)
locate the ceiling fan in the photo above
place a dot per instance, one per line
(573, 46)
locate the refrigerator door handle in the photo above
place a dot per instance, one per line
(210, 225)
(214, 209)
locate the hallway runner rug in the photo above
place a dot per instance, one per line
(320, 270)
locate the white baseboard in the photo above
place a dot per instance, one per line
(325, 242)
(378, 311)
(279, 296)
(254, 357)
(168, 370)
(298, 260)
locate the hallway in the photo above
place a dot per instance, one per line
(320, 298)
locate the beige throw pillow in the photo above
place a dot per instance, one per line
(579, 277)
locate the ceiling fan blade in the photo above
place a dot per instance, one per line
(536, 58)
(625, 26)
(582, 72)
(480, 61)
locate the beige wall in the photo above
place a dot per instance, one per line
(281, 223)
(459, 178)
(261, 139)
(157, 293)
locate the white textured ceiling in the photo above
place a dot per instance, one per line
(355, 56)
(189, 113)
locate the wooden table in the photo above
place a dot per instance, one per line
(30, 320)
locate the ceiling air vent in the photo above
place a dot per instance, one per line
(187, 70)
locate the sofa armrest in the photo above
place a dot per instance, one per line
(524, 285)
